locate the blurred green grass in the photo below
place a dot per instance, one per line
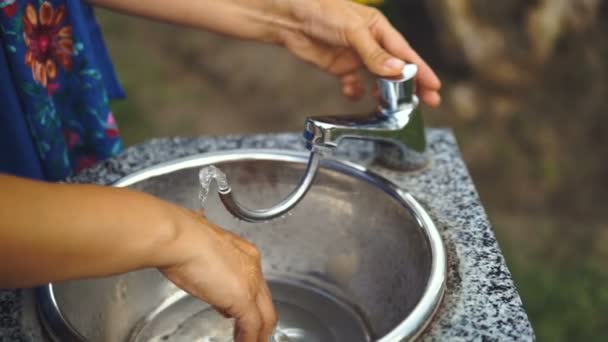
(538, 169)
(560, 273)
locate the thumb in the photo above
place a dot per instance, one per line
(375, 58)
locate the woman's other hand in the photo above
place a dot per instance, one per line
(340, 37)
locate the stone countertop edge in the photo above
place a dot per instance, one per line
(481, 302)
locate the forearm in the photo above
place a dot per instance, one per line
(247, 19)
(52, 232)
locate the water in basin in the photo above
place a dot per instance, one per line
(306, 314)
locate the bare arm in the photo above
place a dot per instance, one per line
(338, 36)
(52, 232)
(247, 19)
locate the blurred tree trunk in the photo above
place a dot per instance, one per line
(502, 42)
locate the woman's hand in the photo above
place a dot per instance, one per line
(225, 271)
(57, 232)
(338, 36)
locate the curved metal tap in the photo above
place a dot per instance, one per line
(256, 215)
(396, 125)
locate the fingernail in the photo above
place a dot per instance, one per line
(394, 64)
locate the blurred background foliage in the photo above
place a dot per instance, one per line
(525, 86)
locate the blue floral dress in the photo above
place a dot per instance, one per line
(55, 82)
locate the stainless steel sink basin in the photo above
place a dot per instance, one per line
(357, 260)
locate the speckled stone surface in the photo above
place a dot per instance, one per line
(481, 302)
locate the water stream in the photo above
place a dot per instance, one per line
(206, 176)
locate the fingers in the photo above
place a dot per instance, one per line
(248, 326)
(259, 322)
(225, 272)
(335, 60)
(395, 44)
(222, 312)
(267, 310)
(383, 50)
(430, 97)
(375, 58)
(352, 86)
(342, 62)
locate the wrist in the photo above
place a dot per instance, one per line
(164, 235)
(180, 236)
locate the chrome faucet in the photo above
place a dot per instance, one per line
(396, 125)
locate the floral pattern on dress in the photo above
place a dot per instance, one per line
(48, 42)
(9, 7)
(63, 93)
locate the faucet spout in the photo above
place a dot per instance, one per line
(397, 121)
(400, 127)
(257, 215)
